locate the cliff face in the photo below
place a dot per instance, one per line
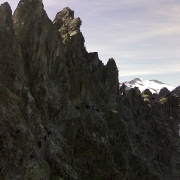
(61, 113)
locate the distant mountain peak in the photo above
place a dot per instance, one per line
(153, 85)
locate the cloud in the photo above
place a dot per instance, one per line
(142, 35)
(156, 71)
(50, 2)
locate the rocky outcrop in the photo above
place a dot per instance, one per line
(11, 64)
(149, 128)
(176, 91)
(62, 114)
(163, 92)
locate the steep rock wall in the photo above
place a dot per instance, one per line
(62, 115)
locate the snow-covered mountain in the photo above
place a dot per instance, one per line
(153, 85)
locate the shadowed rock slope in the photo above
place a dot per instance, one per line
(62, 114)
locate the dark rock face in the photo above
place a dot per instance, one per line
(150, 126)
(176, 91)
(62, 115)
(163, 92)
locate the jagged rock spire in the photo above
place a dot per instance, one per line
(67, 25)
(6, 17)
(10, 62)
(26, 9)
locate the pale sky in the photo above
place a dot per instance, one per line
(143, 36)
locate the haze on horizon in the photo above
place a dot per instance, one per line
(143, 36)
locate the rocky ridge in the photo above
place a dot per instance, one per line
(62, 114)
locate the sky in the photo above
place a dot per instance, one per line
(143, 36)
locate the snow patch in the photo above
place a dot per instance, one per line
(153, 85)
